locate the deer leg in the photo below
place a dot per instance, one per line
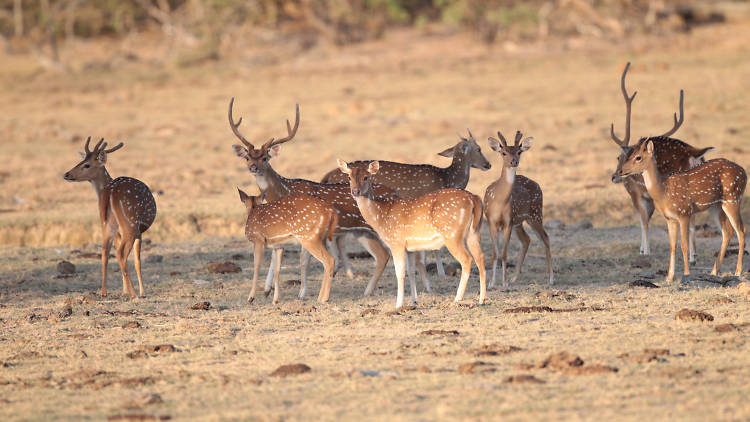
(317, 248)
(504, 256)
(732, 210)
(525, 240)
(643, 217)
(458, 250)
(123, 250)
(381, 255)
(304, 263)
(399, 265)
(277, 272)
(494, 231)
(691, 245)
(438, 266)
(106, 245)
(343, 257)
(137, 258)
(539, 229)
(475, 248)
(726, 235)
(672, 228)
(419, 261)
(257, 261)
(411, 258)
(684, 246)
(270, 274)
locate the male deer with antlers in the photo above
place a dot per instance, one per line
(276, 187)
(304, 218)
(716, 185)
(511, 200)
(446, 217)
(126, 210)
(415, 180)
(672, 155)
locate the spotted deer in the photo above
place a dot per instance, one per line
(276, 187)
(126, 210)
(716, 185)
(445, 217)
(511, 200)
(672, 155)
(415, 180)
(302, 219)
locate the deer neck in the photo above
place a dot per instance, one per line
(100, 182)
(273, 184)
(373, 210)
(457, 174)
(505, 183)
(653, 180)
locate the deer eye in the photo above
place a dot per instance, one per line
(366, 178)
(265, 159)
(87, 165)
(503, 152)
(638, 158)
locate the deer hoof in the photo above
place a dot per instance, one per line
(267, 292)
(250, 300)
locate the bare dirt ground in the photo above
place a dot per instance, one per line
(65, 353)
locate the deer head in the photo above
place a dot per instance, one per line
(359, 179)
(468, 149)
(93, 162)
(258, 158)
(511, 154)
(625, 149)
(638, 161)
(249, 201)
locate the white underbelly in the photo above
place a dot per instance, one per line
(282, 240)
(427, 244)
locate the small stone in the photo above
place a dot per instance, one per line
(726, 328)
(224, 267)
(692, 315)
(292, 369)
(131, 324)
(66, 268)
(643, 283)
(65, 312)
(201, 306)
(554, 224)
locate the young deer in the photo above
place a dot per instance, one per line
(275, 186)
(446, 217)
(415, 180)
(672, 155)
(126, 210)
(511, 200)
(304, 218)
(716, 185)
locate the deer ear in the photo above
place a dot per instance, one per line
(495, 144)
(343, 166)
(240, 151)
(83, 155)
(243, 195)
(373, 167)
(274, 151)
(526, 144)
(447, 153)
(650, 147)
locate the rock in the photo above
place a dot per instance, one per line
(201, 306)
(554, 224)
(297, 307)
(643, 283)
(528, 309)
(582, 225)
(434, 332)
(692, 315)
(154, 259)
(720, 300)
(494, 350)
(65, 268)
(131, 324)
(560, 360)
(726, 328)
(473, 367)
(223, 267)
(744, 287)
(523, 379)
(65, 312)
(369, 311)
(641, 262)
(292, 369)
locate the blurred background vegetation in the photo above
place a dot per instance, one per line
(199, 30)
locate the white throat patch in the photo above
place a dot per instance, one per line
(510, 174)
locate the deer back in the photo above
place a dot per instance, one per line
(130, 201)
(673, 155)
(701, 187)
(301, 216)
(407, 180)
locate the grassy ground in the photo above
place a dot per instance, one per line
(399, 99)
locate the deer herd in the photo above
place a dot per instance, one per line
(403, 210)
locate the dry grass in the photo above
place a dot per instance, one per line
(369, 101)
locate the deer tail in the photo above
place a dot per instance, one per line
(476, 222)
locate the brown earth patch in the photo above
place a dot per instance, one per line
(291, 369)
(369, 311)
(494, 350)
(523, 379)
(476, 367)
(225, 267)
(201, 306)
(693, 315)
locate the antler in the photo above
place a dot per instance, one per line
(86, 147)
(235, 127)
(290, 131)
(677, 123)
(502, 139)
(628, 103)
(114, 148)
(519, 135)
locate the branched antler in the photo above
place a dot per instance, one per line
(677, 122)
(235, 127)
(628, 103)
